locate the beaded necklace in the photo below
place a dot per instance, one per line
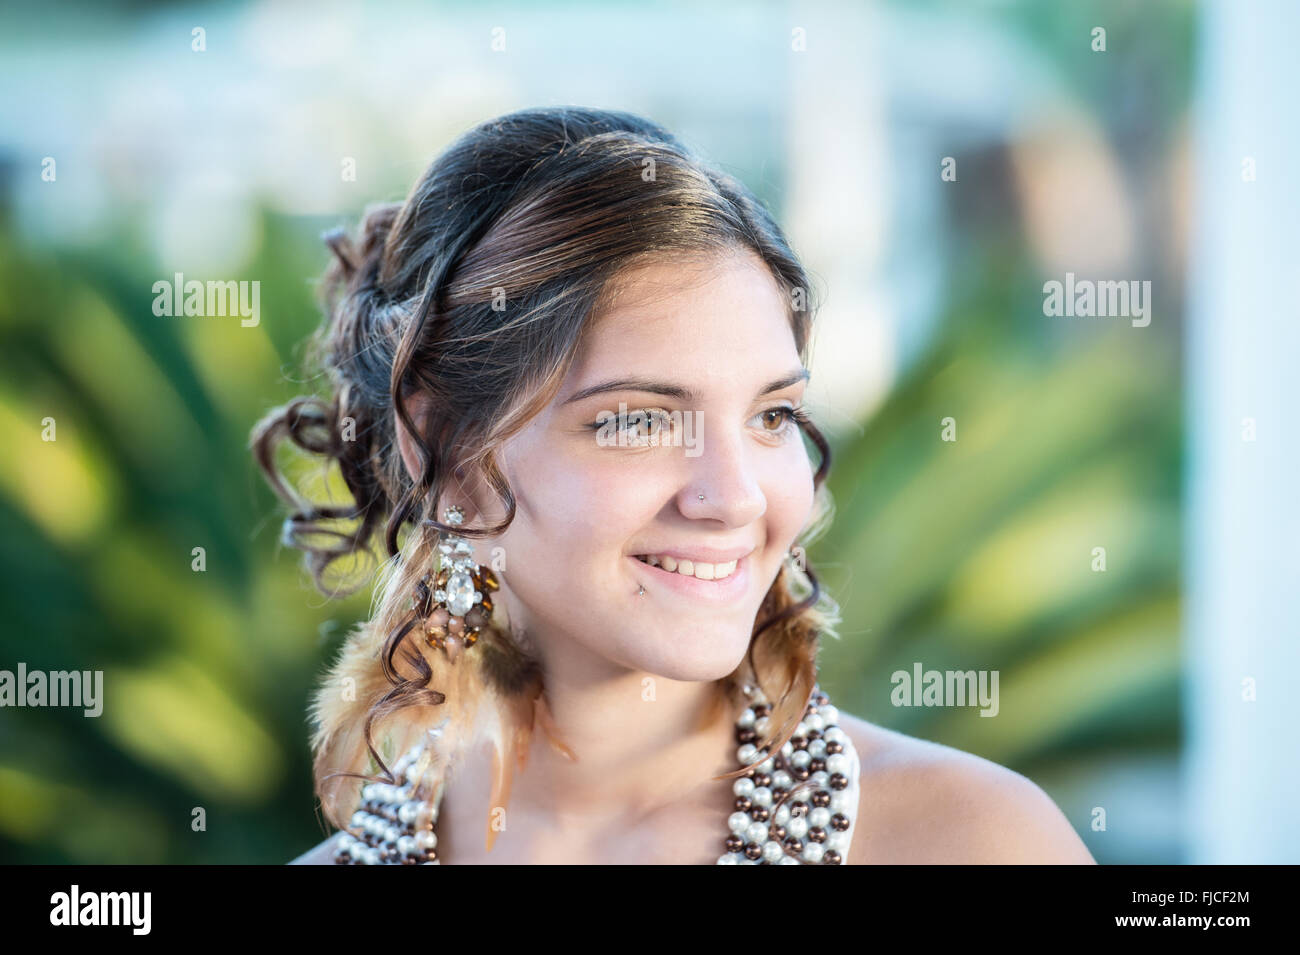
(797, 808)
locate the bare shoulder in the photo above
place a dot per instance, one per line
(322, 854)
(922, 802)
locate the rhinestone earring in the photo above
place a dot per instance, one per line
(454, 602)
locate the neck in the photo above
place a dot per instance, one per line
(641, 743)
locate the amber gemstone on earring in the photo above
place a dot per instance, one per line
(490, 582)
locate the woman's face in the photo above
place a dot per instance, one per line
(705, 347)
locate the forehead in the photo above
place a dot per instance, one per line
(691, 313)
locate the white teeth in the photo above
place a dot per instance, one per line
(691, 568)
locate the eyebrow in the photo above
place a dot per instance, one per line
(672, 390)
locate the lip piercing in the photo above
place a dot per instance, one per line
(701, 497)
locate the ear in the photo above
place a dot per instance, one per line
(417, 405)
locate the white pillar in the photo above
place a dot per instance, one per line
(1242, 572)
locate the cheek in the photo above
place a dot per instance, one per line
(577, 510)
(790, 497)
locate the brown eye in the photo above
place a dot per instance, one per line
(774, 419)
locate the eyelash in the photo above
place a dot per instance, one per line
(797, 415)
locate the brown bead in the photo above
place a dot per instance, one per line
(452, 647)
(840, 822)
(821, 798)
(763, 709)
(762, 779)
(760, 814)
(794, 845)
(832, 857)
(800, 773)
(817, 764)
(743, 804)
(753, 851)
(839, 781)
(816, 834)
(779, 833)
(833, 747)
(745, 736)
(735, 843)
(799, 742)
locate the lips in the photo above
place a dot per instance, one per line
(722, 591)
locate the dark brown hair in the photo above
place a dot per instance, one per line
(476, 291)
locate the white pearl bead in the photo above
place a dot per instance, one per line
(372, 856)
(830, 714)
(837, 763)
(406, 813)
(743, 786)
(762, 724)
(738, 822)
(800, 759)
(747, 753)
(842, 801)
(782, 816)
(756, 832)
(814, 722)
(834, 734)
(406, 846)
(820, 779)
(772, 852)
(767, 765)
(762, 796)
(819, 817)
(782, 780)
(797, 826)
(787, 749)
(392, 834)
(813, 852)
(728, 859)
(746, 720)
(801, 729)
(817, 748)
(838, 841)
(358, 819)
(426, 839)
(789, 860)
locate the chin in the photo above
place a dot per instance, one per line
(695, 654)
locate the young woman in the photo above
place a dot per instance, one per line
(567, 379)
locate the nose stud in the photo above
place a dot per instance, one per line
(701, 497)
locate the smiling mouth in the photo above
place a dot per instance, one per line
(688, 568)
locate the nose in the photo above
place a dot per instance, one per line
(725, 475)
